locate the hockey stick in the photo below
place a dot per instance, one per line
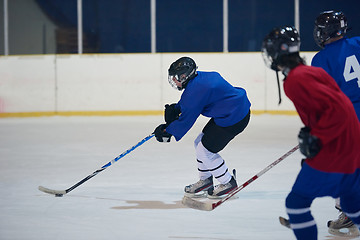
(60, 193)
(209, 206)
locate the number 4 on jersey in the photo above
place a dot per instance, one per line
(352, 69)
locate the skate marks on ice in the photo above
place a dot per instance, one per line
(137, 204)
(145, 204)
(333, 237)
(207, 238)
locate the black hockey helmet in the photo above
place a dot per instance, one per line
(277, 45)
(329, 24)
(183, 70)
(280, 41)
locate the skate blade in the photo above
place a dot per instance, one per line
(351, 232)
(221, 197)
(201, 194)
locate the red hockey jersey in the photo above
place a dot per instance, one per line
(329, 113)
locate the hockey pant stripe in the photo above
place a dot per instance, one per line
(353, 215)
(200, 164)
(226, 171)
(206, 170)
(301, 221)
(201, 170)
(297, 211)
(212, 162)
(300, 211)
(302, 225)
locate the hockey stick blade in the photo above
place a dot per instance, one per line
(200, 205)
(285, 222)
(209, 205)
(60, 193)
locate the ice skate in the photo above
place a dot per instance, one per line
(342, 222)
(221, 190)
(199, 189)
(343, 226)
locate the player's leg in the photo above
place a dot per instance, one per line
(353, 213)
(207, 145)
(350, 201)
(214, 163)
(204, 173)
(209, 164)
(214, 140)
(348, 223)
(199, 188)
(309, 184)
(343, 221)
(301, 221)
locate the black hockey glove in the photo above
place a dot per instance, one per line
(309, 144)
(161, 135)
(172, 112)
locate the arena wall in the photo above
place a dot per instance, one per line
(123, 84)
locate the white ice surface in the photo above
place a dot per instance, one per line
(139, 196)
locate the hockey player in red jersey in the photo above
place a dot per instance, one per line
(329, 140)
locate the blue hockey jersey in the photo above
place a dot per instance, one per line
(341, 60)
(210, 95)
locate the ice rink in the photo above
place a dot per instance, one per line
(139, 197)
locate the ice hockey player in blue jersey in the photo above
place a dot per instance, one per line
(228, 107)
(340, 58)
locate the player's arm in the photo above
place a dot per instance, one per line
(172, 112)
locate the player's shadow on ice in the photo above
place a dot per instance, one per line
(135, 204)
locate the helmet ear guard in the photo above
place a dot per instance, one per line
(181, 71)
